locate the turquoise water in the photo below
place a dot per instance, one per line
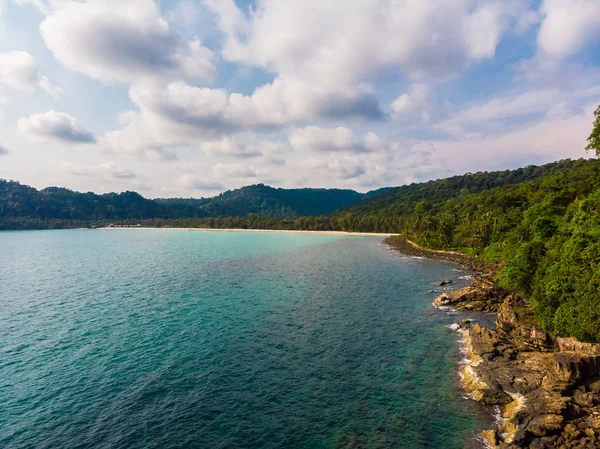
(177, 339)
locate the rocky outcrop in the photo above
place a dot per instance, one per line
(482, 295)
(549, 394)
(515, 320)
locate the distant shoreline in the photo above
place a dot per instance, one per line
(289, 231)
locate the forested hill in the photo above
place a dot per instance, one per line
(260, 199)
(53, 203)
(403, 200)
(542, 222)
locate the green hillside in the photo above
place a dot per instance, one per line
(23, 206)
(263, 200)
(54, 203)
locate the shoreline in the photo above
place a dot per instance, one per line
(478, 267)
(287, 231)
(544, 390)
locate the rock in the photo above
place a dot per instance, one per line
(492, 396)
(541, 425)
(594, 386)
(490, 437)
(573, 345)
(570, 432)
(547, 389)
(470, 298)
(584, 399)
(443, 282)
(515, 320)
(549, 441)
(481, 342)
(571, 368)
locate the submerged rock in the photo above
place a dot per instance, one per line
(443, 282)
(455, 326)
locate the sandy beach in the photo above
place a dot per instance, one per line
(370, 234)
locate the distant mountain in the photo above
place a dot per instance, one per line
(263, 200)
(17, 200)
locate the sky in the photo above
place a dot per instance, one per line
(194, 97)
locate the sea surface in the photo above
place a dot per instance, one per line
(190, 339)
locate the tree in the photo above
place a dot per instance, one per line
(594, 138)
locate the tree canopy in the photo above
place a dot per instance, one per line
(594, 138)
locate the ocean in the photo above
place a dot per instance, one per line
(191, 339)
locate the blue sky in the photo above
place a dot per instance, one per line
(189, 98)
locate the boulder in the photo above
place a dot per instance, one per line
(490, 437)
(469, 298)
(443, 282)
(543, 424)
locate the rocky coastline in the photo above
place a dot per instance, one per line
(545, 390)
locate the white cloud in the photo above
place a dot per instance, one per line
(189, 181)
(179, 113)
(227, 171)
(234, 146)
(322, 70)
(3, 151)
(412, 105)
(555, 137)
(340, 139)
(350, 39)
(18, 70)
(394, 163)
(269, 106)
(501, 115)
(45, 6)
(55, 126)
(123, 40)
(107, 169)
(3, 102)
(568, 26)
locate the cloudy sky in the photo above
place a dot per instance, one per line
(191, 97)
